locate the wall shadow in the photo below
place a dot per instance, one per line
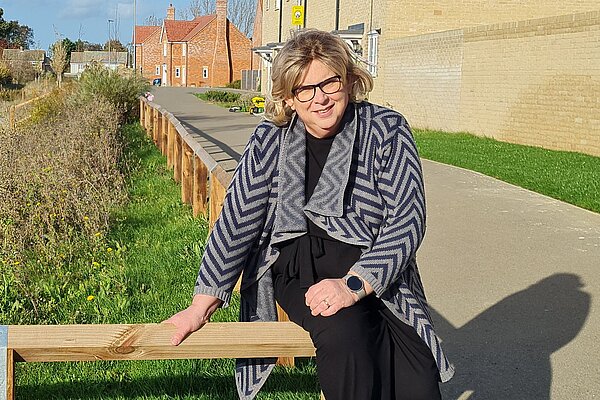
(504, 352)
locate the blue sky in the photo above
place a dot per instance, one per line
(87, 19)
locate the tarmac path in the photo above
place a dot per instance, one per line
(512, 276)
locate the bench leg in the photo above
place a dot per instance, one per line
(285, 361)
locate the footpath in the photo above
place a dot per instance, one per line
(512, 276)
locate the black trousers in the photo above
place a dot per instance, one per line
(363, 352)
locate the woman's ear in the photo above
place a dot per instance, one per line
(290, 103)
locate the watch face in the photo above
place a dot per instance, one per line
(354, 283)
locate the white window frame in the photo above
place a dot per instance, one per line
(157, 70)
(204, 72)
(177, 72)
(277, 4)
(373, 38)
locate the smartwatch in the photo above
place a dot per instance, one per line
(355, 285)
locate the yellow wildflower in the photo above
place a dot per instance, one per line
(90, 298)
(109, 249)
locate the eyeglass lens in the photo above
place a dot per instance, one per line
(328, 86)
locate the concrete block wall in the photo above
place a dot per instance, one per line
(534, 82)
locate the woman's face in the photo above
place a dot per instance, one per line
(323, 114)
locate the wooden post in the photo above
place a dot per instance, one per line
(158, 125)
(282, 316)
(10, 374)
(155, 125)
(141, 112)
(12, 121)
(164, 131)
(200, 199)
(147, 117)
(187, 173)
(177, 158)
(215, 202)
(170, 144)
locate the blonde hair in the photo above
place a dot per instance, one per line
(294, 58)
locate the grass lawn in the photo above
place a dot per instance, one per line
(571, 177)
(157, 245)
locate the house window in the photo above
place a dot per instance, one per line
(373, 45)
(177, 72)
(277, 4)
(157, 72)
(205, 72)
(165, 49)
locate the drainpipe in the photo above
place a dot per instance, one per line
(280, 19)
(337, 15)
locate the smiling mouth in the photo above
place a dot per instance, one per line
(325, 110)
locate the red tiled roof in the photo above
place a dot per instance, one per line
(178, 30)
(142, 33)
(201, 22)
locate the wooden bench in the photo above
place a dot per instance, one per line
(53, 343)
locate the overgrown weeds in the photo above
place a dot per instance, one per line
(61, 175)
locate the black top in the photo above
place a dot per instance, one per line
(316, 255)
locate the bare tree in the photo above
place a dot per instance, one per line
(241, 13)
(153, 20)
(59, 60)
(198, 8)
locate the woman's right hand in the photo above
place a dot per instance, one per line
(194, 317)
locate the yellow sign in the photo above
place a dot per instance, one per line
(298, 15)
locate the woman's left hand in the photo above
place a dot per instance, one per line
(328, 297)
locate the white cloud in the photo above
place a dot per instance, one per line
(83, 9)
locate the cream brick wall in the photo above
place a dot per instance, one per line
(424, 78)
(534, 82)
(415, 17)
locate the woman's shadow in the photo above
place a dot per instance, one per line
(504, 352)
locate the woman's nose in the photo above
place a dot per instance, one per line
(320, 96)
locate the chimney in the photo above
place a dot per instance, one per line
(221, 65)
(171, 12)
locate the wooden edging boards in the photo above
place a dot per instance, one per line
(57, 343)
(12, 111)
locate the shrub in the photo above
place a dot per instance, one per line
(234, 85)
(220, 96)
(120, 88)
(59, 181)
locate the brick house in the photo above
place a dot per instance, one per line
(206, 51)
(81, 59)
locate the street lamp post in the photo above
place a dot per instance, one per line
(134, 39)
(109, 53)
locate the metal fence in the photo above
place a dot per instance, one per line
(250, 80)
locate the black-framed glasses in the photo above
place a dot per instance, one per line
(307, 92)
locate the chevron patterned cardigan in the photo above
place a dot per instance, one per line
(370, 194)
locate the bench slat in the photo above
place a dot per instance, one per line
(47, 343)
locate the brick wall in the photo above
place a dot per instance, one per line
(241, 55)
(534, 82)
(150, 55)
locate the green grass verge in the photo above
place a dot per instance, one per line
(156, 248)
(567, 176)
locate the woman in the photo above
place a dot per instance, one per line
(325, 214)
